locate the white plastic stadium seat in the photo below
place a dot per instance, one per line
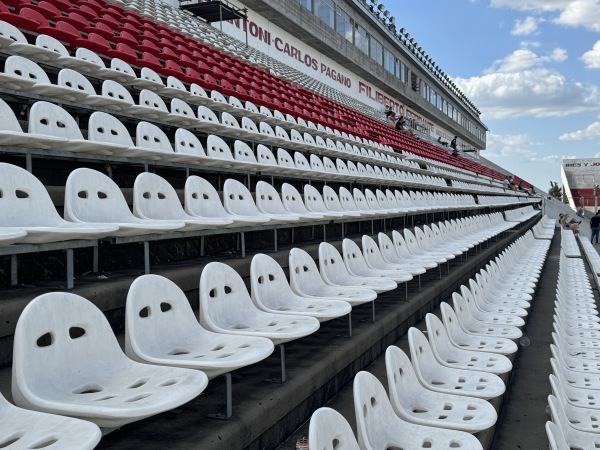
(67, 361)
(226, 307)
(26, 205)
(272, 293)
(329, 430)
(92, 197)
(414, 403)
(155, 198)
(436, 377)
(356, 264)
(25, 429)
(161, 328)
(378, 426)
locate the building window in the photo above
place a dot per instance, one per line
(343, 23)
(306, 3)
(402, 71)
(389, 61)
(324, 10)
(361, 39)
(376, 50)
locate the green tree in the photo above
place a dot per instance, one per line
(555, 191)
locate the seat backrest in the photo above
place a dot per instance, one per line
(331, 262)
(52, 44)
(292, 199)
(112, 89)
(281, 133)
(91, 196)
(304, 273)
(248, 125)
(329, 430)
(421, 355)
(353, 257)
(295, 136)
(352, 170)
(347, 201)
(155, 198)
(24, 201)
(104, 127)
(265, 156)
(284, 159)
(360, 200)
(9, 31)
(374, 413)
(148, 135)
(48, 118)
(18, 66)
(316, 164)
(403, 385)
(243, 152)
(266, 129)
(181, 108)
(9, 120)
(176, 83)
(197, 90)
(89, 56)
(301, 162)
(224, 299)
(341, 167)
(151, 99)
(150, 75)
(331, 199)
(119, 65)
(74, 80)
(157, 311)
(63, 339)
(229, 121)
(268, 199)
(314, 200)
(217, 148)
(202, 199)
(217, 96)
(269, 286)
(237, 199)
(207, 115)
(309, 139)
(187, 142)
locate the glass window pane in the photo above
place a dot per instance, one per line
(376, 50)
(343, 23)
(361, 39)
(324, 11)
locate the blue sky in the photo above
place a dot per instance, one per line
(532, 67)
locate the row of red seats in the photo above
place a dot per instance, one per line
(111, 31)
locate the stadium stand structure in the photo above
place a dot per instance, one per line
(140, 139)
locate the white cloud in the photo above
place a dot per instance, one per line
(527, 26)
(591, 58)
(516, 148)
(573, 13)
(523, 59)
(538, 92)
(592, 131)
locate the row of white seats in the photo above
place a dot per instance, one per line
(95, 206)
(493, 200)
(451, 374)
(568, 243)
(591, 254)
(545, 228)
(22, 74)
(520, 214)
(47, 48)
(575, 378)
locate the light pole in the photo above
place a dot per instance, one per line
(596, 192)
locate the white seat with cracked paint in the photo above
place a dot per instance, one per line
(154, 198)
(26, 205)
(450, 355)
(92, 197)
(67, 361)
(378, 426)
(437, 377)
(415, 403)
(22, 429)
(306, 280)
(161, 328)
(329, 430)
(334, 272)
(226, 307)
(461, 338)
(272, 293)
